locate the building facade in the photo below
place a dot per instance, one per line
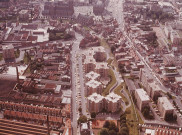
(58, 9)
(8, 53)
(142, 98)
(165, 107)
(93, 86)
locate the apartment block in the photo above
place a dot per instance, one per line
(112, 102)
(142, 98)
(8, 53)
(95, 103)
(93, 86)
(92, 76)
(102, 69)
(153, 89)
(165, 106)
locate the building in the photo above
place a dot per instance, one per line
(21, 128)
(142, 98)
(144, 78)
(92, 76)
(8, 53)
(93, 86)
(175, 37)
(112, 102)
(102, 69)
(4, 3)
(85, 129)
(98, 8)
(165, 107)
(85, 20)
(151, 130)
(89, 64)
(24, 14)
(153, 90)
(169, 73)
(178, 81)
(166, 7)
(58, 9)
(95, 103)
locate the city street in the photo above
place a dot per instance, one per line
(75, 79)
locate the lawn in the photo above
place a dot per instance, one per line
(109, 61)
(111, 83)
(27, 71)
(118, 91)
(25, 59)
(17, 54)
(87, 28)
(132, 121)
(104, 43)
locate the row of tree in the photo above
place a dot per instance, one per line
(110, 128)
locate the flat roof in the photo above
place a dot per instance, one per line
(101, 65)
(84, 126)
(155, 86)
(150, 132)
(113, 97)
(95, 98)
(58, 88)
(142, 95)
(98, 49)
(89, 59)
(92, 75)
(178, 79)
(161, 3)
(93, 83)
(4, 47)
(165, 103)
(66, 100)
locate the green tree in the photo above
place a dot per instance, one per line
(93, 115)
(112, 126)
(104, 131)
(119, 133)
(106, 124)
(112, 132)
(82, 119)
(80, 109)
(124, 131)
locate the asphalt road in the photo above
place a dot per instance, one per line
(75, 52)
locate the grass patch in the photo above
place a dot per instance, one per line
(109, 61)
(87, 28)
(132, 121)
(139, 118)
(118, 91)
(17, 54)
(26, 60)
(104, 44)
(27, 71)
(111, 83)
(131, 116)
